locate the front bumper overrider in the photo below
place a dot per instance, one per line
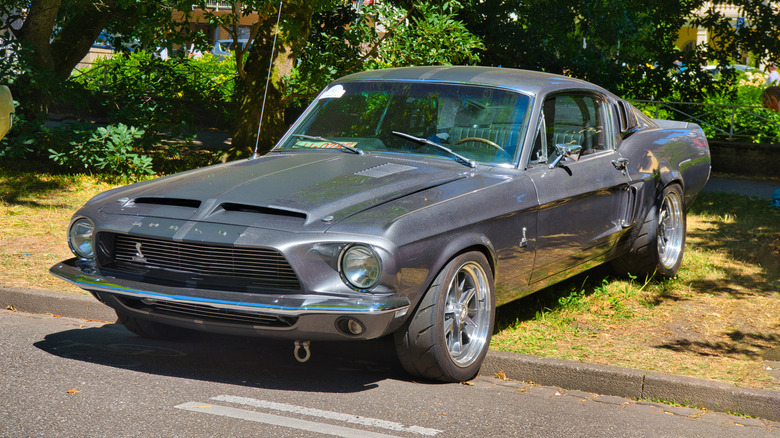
(316, 316)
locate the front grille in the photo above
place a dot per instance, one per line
(195, 265)
(209, 313)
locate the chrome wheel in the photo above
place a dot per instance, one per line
(467, 314)
(448, 335)
(671, 230)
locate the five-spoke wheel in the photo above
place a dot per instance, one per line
(449, 334)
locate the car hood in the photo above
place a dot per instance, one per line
(303, 190)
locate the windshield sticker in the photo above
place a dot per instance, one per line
(333, 93)
(323, 144)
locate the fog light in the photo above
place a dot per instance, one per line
(350, 326)
(354, 327)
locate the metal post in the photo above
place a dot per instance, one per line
(731, 127)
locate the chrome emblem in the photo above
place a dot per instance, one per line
(139, 256)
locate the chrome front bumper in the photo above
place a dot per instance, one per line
(317, 315)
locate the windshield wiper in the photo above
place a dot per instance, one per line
(458, 157)
(344, 147)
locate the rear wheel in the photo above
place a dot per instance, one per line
(448, 336)
(659, 244)
(150, 329)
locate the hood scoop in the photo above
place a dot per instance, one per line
(174, 208)
(256, 216)
(256, 209)
(172, 202)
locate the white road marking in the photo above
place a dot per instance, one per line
(276, 420)
(338, 416)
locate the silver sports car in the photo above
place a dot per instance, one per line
(407, 202)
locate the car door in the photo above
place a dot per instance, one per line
(583, 203)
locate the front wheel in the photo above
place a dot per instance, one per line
(448, 336)
(659, 244)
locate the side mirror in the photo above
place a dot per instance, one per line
(572, 151)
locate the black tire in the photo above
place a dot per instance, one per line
(150, 329)
(659, 245)
(448, 336)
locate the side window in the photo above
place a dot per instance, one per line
(577, 119)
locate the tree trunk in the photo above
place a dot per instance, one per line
(293, 34)
(34, 35)
(57, 59)
(77, 36)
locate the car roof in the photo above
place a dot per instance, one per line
(532, 82)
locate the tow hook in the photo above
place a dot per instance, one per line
(306, 351)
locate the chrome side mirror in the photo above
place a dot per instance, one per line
(572, 151)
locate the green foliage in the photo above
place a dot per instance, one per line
(431, 36)
(111, 151)
(163, 95)
(627, 47)
(732, 113)
(348, 41)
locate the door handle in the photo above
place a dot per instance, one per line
(620, 164)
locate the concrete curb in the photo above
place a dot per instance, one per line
(566, 374)
(636, 384)
(56, 303)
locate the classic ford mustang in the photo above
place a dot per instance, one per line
(407, 202)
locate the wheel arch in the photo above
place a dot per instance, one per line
(454, 248)
(462, 245)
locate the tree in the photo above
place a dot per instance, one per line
(254, 60)
(346, 39)
(56, 35)
(597, 40)
(380, 36)
(758, 33)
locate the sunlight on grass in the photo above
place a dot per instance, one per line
(35, 211)
(713, 320)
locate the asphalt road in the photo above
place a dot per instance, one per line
(63, 377)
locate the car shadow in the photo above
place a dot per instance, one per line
(335, 367)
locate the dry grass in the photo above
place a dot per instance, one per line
(34, 214)
(715, 320)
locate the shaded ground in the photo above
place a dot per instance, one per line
(761, 189)
(719, 319)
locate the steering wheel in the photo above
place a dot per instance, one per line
(481, 140)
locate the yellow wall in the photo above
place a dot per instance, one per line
(686, 35)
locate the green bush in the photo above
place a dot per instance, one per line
(167, 96)
(730, 112)
(111, 151)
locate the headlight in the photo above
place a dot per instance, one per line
(360, 266)
(81, 238)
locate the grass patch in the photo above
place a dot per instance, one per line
(35, 210)
(714, 320)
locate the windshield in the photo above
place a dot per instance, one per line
(479, 123)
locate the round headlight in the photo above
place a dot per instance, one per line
(81, 238)
(360, 266)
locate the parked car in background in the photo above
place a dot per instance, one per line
(224, 48)
(6, 110)
(407, 202)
